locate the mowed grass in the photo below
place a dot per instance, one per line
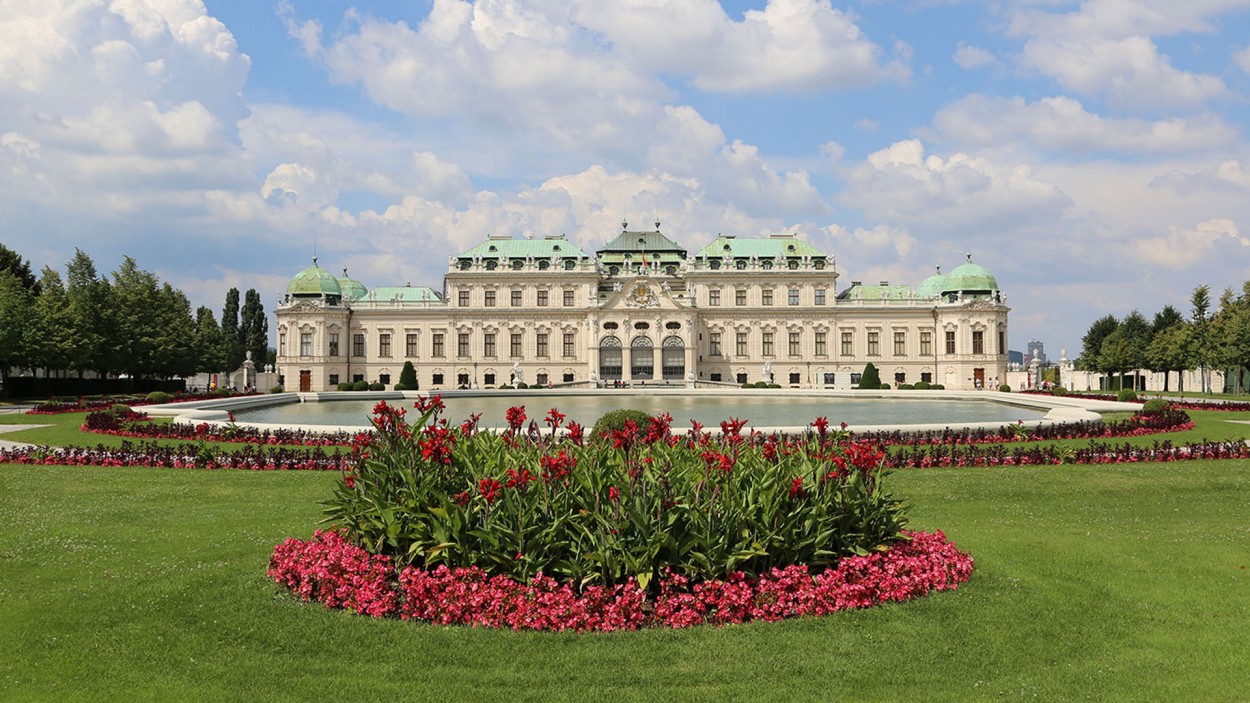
(1124, 582)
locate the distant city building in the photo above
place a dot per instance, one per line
(1039, 349)
(1015, 358)
(642, 310)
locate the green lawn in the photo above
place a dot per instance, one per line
(1124, 582)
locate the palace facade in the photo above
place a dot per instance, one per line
(643, 310)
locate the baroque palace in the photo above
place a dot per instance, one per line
(643, 311)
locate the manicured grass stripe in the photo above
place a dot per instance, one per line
(1093, 583)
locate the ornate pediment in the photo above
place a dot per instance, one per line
(980, 305)
(304, 307)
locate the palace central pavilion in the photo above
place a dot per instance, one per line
(642, 310)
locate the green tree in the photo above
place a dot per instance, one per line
(1117, 355)
(209, 349)
(173, 351)
(231, 334)
(1091, 343)
(1137, 332)
(254, 329)
(15, 323)
(1165, 318)
(1200, 304)
(50, 343)
(135, 292)
(870, 378)
(407, 378)
(91, 314)
(13, 263)
(1169, 351)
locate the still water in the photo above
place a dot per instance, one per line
(709, 410)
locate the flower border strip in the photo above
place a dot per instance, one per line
(330, 570)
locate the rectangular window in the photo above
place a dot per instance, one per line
(542, 298)
(515, 345)
(282, 344)
(794, 378)
(900, 343)
(462, 344)
(740, 346)
(305, 343)
(358, 344)
(848, 338)
(334, 379)
(741, 378)
(714, 343)
(899, 378)
(334, 344)
(488, 379)
(794, 344)
(462, 380)
(978, 342)
(768, 343)
(568, 298)
(874, 344)
(358, 377)
(926, 376)
(740, 296)
(821, 349)
(384, 345)
(926, 344)
(950, 342)
(820, 296)
(436, 346)
(437, 379)
(516, 298)
(488, 345)
(490, 298)
(541, 379)
(384, 379)
(463, 298)
(713, 297)
(569, 351)
(794, 296)
(410, 345)
(567, 378)
(541, 344)
(1002, 343)
(768, 296)
(716, 377)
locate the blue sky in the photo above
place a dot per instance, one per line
(1092, 154)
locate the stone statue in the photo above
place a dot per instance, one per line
(768, 372)
(516, 373)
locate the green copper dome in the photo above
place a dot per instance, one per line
(352, 289)
(970, 278)
(314, 281)
(932, 286)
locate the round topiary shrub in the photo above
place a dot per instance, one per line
(345, 386)
(400, 386)
(922, 385)
(158, 397)
(1059, 391)
(884, 386)
(937, 387)
(521, 385)
(1004, 388)
(1126, 395)
(360, 386)
(505, 387)
(615, 420)
(375, 386)
(906, 387)
(1156, 406)
(277, 389)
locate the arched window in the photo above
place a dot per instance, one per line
(642, 359)
(610, 358)
(673, 358)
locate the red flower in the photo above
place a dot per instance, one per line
(554, 418)
(613, 494)
(796, 488)
(489, 488)
(462, 498)
(516, 418)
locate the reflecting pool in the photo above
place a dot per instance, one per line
(760, 410)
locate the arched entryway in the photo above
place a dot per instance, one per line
(673, 358)
(610, 360)
(642, 359)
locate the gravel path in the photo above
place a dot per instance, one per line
(6, 444)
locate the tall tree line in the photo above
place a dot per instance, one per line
(130, 324)
(1206, 340)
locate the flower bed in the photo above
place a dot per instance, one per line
(330, 570)
(1171, 420)
(1178, 403)
(132, 424)
(181, 456)
(57, 407)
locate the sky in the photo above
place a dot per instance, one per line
(1093, 155)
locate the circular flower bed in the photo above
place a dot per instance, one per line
(332, 571)
(610, 530)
